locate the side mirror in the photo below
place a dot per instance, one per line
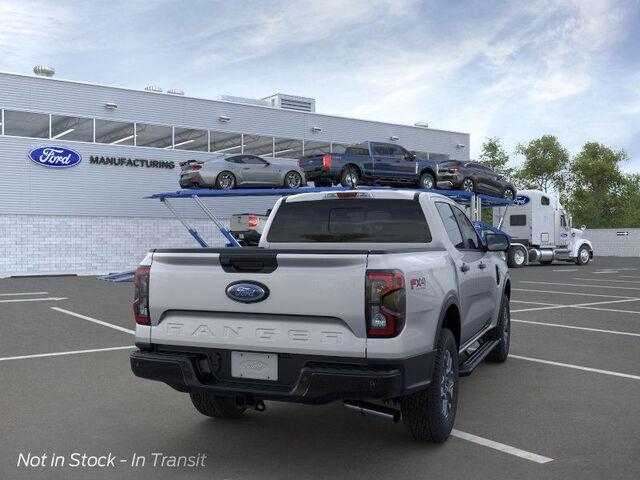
(583, 227)
(496, 242)
(410, 156)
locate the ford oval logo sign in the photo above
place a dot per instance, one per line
(247, 292)
(521, 200)
(55, 157)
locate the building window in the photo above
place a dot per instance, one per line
(114, 133)
(338, 147)
(190, 139)
(157, 136)
(257, 145)
(26, 124)
(225, 142)
(316, 148)
(71, 128)
(287, 148)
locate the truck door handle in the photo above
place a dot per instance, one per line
(465, 267)
(482, 266)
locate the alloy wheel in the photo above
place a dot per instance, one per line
(226, 181)
(447, 384)
(293, 180)
(467, 185)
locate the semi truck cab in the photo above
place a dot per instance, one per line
(541, 231)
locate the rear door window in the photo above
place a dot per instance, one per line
(350, 220)
(469, 233)
(450, 224)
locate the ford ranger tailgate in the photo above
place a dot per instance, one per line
(313, 301)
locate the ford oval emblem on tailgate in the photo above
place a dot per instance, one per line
(247, 291)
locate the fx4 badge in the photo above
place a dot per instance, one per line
(419, 283)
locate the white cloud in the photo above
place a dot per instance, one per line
(31, 29)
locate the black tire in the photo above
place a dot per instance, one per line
(292, 180)
(225, 180)
(322, 183)
(349, 177)
(468, 185)
(423, 412)
(216, 406)
(502, 333)
(426, 181)
(509, 194)
(583, 258)
(516, 257)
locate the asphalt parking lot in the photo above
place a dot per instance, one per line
(566, 405)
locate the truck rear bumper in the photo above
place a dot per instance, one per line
(319, 380)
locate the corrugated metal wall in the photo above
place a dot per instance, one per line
(103, 190)
(614, 242)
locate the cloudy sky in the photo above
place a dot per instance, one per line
(515, 69)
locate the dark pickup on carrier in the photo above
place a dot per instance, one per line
(371, 163)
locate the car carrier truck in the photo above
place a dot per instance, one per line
(540, 230)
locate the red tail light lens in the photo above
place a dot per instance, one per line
(326, 161)
(141, 296)
(196, 167)
(385, 303)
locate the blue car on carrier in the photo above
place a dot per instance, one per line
(371, 163)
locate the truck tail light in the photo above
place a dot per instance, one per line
(253, 221)
(326, 161)
(385, 303)
(196, 166)
(141, 296)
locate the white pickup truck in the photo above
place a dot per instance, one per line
(381, 299)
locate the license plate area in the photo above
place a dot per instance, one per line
(256, 366)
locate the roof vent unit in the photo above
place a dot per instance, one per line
(153, 88)
(243, 100)
(175, 91)
(292, 102)
(44, 71)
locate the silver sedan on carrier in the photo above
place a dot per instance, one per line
(241, 170)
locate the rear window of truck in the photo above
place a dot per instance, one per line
(350, 220)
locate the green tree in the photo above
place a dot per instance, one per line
(545, 164)
(494, 156)
(601, 195)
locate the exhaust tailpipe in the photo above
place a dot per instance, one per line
(378, 411)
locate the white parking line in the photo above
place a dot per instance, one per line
(73, 352)
(571, 293)
(576, 305)
(49, 299)
(94, 320)
(536, 303)
(581, 285)
(629, 276)
(573, 327)
(577, 367)
(607, 280)
(485, 442)
(23, 293)
(566, 270)
(635, 312)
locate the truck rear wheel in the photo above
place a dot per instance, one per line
(502, 333)
(216, 406)
(349, 177)
(429, 414)
(516, 256)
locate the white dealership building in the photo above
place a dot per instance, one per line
(91, 217)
